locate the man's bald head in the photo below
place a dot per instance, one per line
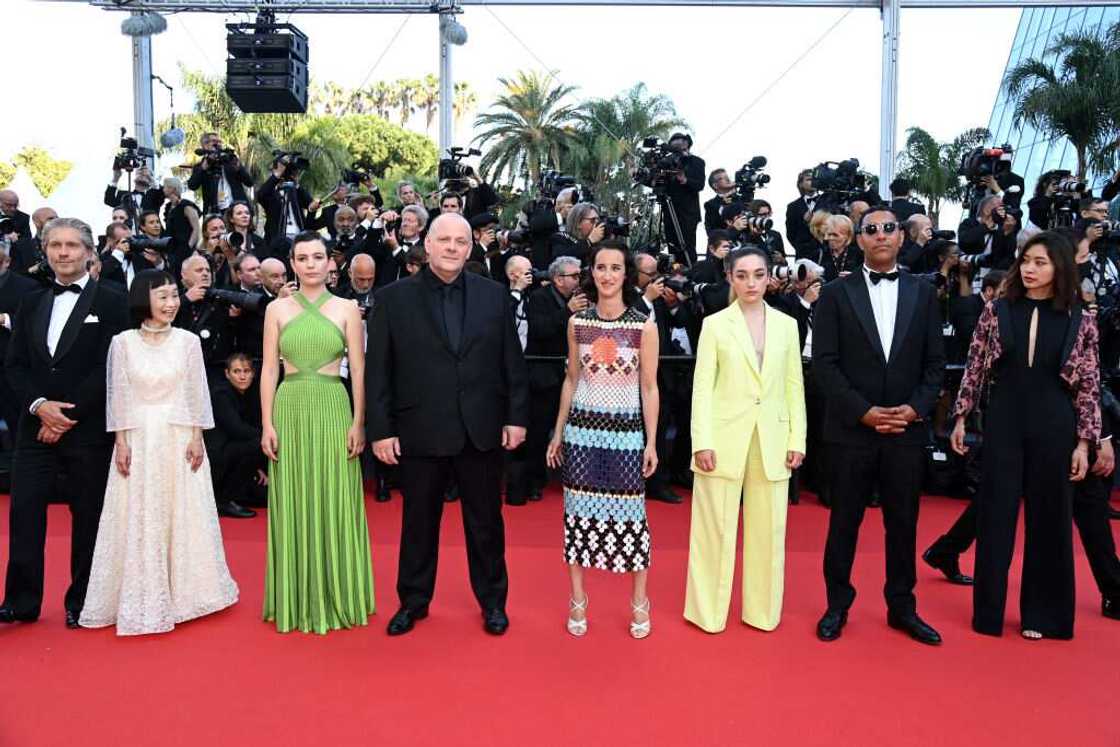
(195, 271)
(448, 243)
(362, 271)
(42, 217)
(517, 265)
(454, 221)
(9, 202)
(273, 275)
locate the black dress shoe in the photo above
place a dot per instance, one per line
(831, 624)
(915, 627)
(495, 621)
(72, 619)
(665, 495)
(235, 510)
(451, 495)
(1110, 607)
(404, 620)
(949, 565)
(383, 494)
(8, 616)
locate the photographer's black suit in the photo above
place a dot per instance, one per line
(547, 313)
(276, 203)
(21, 221)
(904, 207)
(685, 199)
(13, 288)
(234, 444)
(447, 404)
(712, 219)
(237, 177)
(854, 375)
(209, 319)
(74, 373)
(151, 199)
(797, 228)
(113, 269)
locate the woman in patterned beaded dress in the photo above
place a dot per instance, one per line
(605, 434)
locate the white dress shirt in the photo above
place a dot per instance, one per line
(225, 194)
(61, 309)
(126, 265)
(884, 305)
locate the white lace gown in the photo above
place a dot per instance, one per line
(159, 558)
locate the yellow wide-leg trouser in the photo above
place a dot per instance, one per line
(711, 546)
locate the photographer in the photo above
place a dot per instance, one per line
(237, 464)
(13, 289)
(450, 202)
(239, 222)
(345, 194)
(144, 195)
(27, 257)
(760, 218)
(219, 174)
(20, 222)
(488, 249)
(710, 269)
(407, 194)
(683, 191)
(392, 248)
(1040, 207)
(249, 325)
(285, 202)
(989, 239)
(207, 317)
(181, 216)
(361, 274)
(583, 229)
(119, 264)
(720, 182)
(157, 247)
(914, 257)
(798, 214)
(214, 245)
(901, 203)
(347, 241)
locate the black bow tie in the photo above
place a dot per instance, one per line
(877, 276)
(60, 289)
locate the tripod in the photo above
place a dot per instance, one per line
(676, 239)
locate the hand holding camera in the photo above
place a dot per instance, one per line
(578, 302)
(655, 288)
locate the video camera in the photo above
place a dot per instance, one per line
(131, 155)
(360, 172)
(553, 183)
(1068, 192)
(980, 163)
(293, 162)
(839, 182)
(140, 242)
(453, 174)
(750, 177)
(248, 301)
(657, 164)
(217, 156)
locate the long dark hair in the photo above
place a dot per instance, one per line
(629, 285)
(139, 294)
(739, 252)
(1066, 283)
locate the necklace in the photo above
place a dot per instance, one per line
(155, 330)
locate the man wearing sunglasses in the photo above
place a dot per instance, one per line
(878, 357)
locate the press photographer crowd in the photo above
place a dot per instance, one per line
(979, 362)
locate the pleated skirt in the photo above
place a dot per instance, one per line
(319, 575)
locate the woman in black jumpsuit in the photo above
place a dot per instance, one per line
(1037, 348)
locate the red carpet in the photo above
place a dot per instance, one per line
(232, 680)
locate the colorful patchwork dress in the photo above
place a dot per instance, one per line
(604, 492)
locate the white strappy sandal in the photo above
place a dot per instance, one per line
(577, 627)
(640, 630)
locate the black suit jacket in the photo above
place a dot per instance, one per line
(797, 229)
(152, 199)
(433, 399)
(22, 223)
(548, 313)
(237, 417)
(712, 220)
(13, 288)
(237, 176)
(76, 372)
(686, 197)
(848, 358)
(273, 202)
(113, 271)
(904, 207)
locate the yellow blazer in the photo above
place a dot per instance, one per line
(731, 397)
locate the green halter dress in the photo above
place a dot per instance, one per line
(319, 575)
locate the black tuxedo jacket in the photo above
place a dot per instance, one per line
(848, 358)
(904, 207)
(22, 223)
(712, 220)
(433, 399)
(273, 202)
(151, 200)
(686, 197)
(13, 288)
(797, 229)
(237, 176)
(113, 271)
(547, 313)
(324, 219)
(237, 417)
(76, 372)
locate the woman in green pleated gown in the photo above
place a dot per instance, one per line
(319, 576)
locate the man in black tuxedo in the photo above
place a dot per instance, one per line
(145, 195)
(237, 465)
(9, 211)
(721, 184)
(56, 365)
(901, 203)
(119, 264)
(798, 213)
(13, 288)
(878, 357)
(222, 177)
(286, 203)
(683, 191)
(447, 391)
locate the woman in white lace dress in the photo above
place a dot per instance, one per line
(159, 558)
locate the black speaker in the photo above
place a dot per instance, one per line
(267, 67)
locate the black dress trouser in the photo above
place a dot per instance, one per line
(896, 469)
(35, 469)
(423, 482)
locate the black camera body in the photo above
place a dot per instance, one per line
(140, 242)
(7, 226)
(750, 178)
(615, 226)
(131, 156)
(217, 156)
(553, 183)
(839, 182)
(657, 164)
(452, 173)
(360, 172)
(293, 161)
(248, 301)
(980, 162)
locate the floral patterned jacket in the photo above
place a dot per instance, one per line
(1080, 370)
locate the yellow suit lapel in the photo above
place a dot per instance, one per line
(770, 347)
(743, 337)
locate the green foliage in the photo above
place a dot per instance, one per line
(46, 172)
(931, 167)
(391, 150)
(7, 173)
(1076, 97)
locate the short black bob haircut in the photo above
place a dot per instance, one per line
(139, 294)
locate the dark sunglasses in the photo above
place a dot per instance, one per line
(887, 228)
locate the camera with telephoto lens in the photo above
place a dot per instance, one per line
(657, 164)
(217, 156)
(515, 237)
(750, 177)
(453, 174)
(234, 239)
(999, 214)
(248, 301)
(1110, 230)
(140, 242)
(1068, 191)
(799, 272)
(345, 243)
(614, 226)
(294, 163)
(946, 235)
(759, 223)
(839, 182)
(541, 276)
(131, 155)
(360, 172)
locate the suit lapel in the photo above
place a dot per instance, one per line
(77, 318)
(1071, 333)
(904, 313)
(856, 289)
(41, 323)
(743, 337)
(771, 342)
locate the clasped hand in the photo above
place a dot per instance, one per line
(54, 424)
(891, 420)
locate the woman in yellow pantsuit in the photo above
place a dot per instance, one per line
(748, 432)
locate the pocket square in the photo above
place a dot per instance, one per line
(91, 319)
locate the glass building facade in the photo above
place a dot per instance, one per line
(1038, 27)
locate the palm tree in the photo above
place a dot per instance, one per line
(404, 93)
(931, 167)
(427, 99)
(527, 127)
(381, 96)
(463, 102)
(1075, 98)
